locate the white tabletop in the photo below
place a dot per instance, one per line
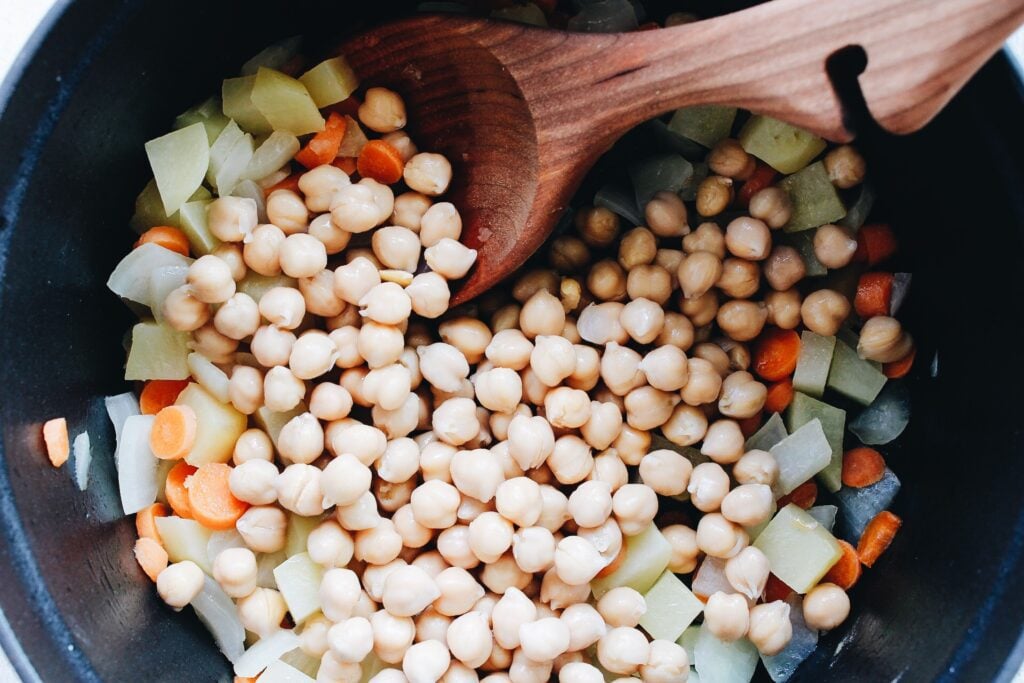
(20, 17)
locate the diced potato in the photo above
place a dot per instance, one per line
(179, 161)
(256, 285)
(157, 352)
(785, 148)
(854, 377)
(185, 539)
(272, 422)
(815, 200)
(238, 105)
(717, 661)
(813, 363)
(647, 556)
(802, 410)
(799, 549)
(194, 225)
(209, 113)
(771, 432)
(800, 456)
(298, 579)
(671, 607)
(330, 81)
(285, 103)
(149, 209)
(298, 533)
(218, 426)
(706, 124)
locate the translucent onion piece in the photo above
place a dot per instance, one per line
(858, 213)
(162, 282)
(800, 456)
(83, 458)
(119, 409)
(273, 56)
(298, 579)
(265, 566)
(783, 665)
(185, 539)
(217, 612)
(886, 417)
(825, 514)
(280, 672)
(275, 152)
(209, 376)
(771, 432)
(131, 278)
(136, 464)
(251, 190)
(221, 541)
(710, 578)
(857, 507)
(265, 651)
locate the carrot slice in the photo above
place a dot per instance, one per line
(802, 496)
(346, 164)
(749, 425)
(862, 467)
(877, 537)
(55, 435)
(761, 178)
(160, 393)
(151, 556)
(875, 243)
(175, 490)
(780, 395)
(167, 237)
(900, 368)
(874, 294)
(145, 521)
(776, 589)
(174, 432)
(324, 146)
(846, 571)
(776, 354)
(210, 498)
(380, 161)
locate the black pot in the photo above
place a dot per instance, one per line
(102, 76)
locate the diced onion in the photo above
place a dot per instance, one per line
(279, 672)
(83, 458)
(265, 651)
(900, 290)
(710, 578)
(217, 612)
(209, 376)
(221, 541)
(136, 464)
(119, 409)
(275, 152)
(886, 417)
(273, 56)
(131, 278)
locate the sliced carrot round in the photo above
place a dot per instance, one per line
(877, 537)
(151, 556)
(780, 395)
(776, 354)
(776, 589)
(145, 521)
(160, 393)
(174, 432)
(175, 490)
(210, 498)
(802, 496)
(846, 571)
(862, 467)
(380, 161)
(900, 368)
(167, 237)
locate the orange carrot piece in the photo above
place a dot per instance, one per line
(176, 491)
(877, 536)
(846, 571)
(874, 294)
(761, 178)
(167, 237)
(290, 183)
(776, 354)
(751, 424)
(615, 564)
(244, 679)
(151, 556)
(780, 395)
(900, 368)
(55, 436)
(145, 521)
(160, 393)
(862, 467)
(174, 432)
(210, 497)
(776, 589)
(875, 243)
(802, 496)
(380, 161)
(324, 146)
(346, 164)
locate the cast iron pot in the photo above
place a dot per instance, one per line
(103, 76)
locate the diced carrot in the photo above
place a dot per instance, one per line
(55, 435)
(780, 395)
(167, 237)
(151, 556)
(877, 536)
(290, 183)
(145, 521)
(862, 467)
(802, 496)
(160, 393)
(210, 497)
(346, 164)
(380, 161)
(615, 564)
(349, 107)
(173, 433)
(900, 368)
(324, 146)
(776, 354)
(751, 424)
(875, 243)
(761, 178)
(874, 294)
(776, 589)
(175, 490)
(845, 572)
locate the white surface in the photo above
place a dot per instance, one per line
(17, 20)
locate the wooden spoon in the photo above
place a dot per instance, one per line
(523, 113)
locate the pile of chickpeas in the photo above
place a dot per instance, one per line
(483, 469)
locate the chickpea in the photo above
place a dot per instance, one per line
(435, 503)
(834, 246)
(580, 672)
(632, 444)
(729, 159)
(701, 310)
(263, 528)
(742, 396)
(824, 311)
(282, 390)
(748, 238)
(635, 506)
(637, 247)
(392, 636)
(668, 662)
(586, 625)
(783, 308)
(183, 311)
(718, 537)
(683, 541)
(298, 490)
(438, 222)
(600, 324)
(623, 650)
(253, 482)
(262, 253)
(603, 425)
(666, 215)
(652, 282)
(707, 237)
(686, 425)
(313, 638)
(784, 268)
(180, 583)
(568, 254)
(742, 320)
(748, 504)
(231, 219)
(253, 444)
(714, 194)
(283, 307)
(882, 339)
(665, 471)
(727, 616)
(409, 210)
(770, 628)
(704, 383)
(756, 467)
(245, 389)
(397, 247)
(468, 335)
(510, 612)
(571, 460)
(428, 173)
(449, 258)
(642, 319)
(318, 185)
(329, 545)
(288, 211)
(677, 331)
(426, 662)
(622, 606)
(648, 408)
(714, 354)
(503, 574)
(708, 486)
(211, 280)
(597, 226)
(542, 314)
(408, 591)
(302, 255)
(531, 441)
(382, 110)
(477, 474)
(772, 205)
(845, 166)
(354, 209)
(261, 611)
(620, 369)
(470, 640)
(698, 273)
(740, 278)
(577, 560)
(544, 639)
(429, 294)
(607, 281)
(826, 606)
(747, 572)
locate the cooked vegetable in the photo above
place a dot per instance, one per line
(218, 426)
(859, 505)
(330, 81)
(119, 409)
(776, 354)
(782, 666)
(145, 521)
(799, 549)
(874, 294)
(285, 103)
(619, 202)
(886, 418)
(238, 105)
(196, 229)
(230, 156)
(875, 243)
(151, 556)
(646, 557)
(707, 125)
(83, 458)
(803, 242)
(162, 282)
(761, 178)
(667, 172)
(854, 377)
(299, 528)
(323, 147)
(266, 651)
(167, 237)
(380, 161)
(280, 672)
(157, 394)
(900, 368)
(877, 537)
(710, 578)
(179, 161)
(149, 209)
(862, 467)
(131, 278)
(136, 464)
(771, 432)
(55, 435)
(785, 148)
(671, 607)
(847, 570)
(209, 113)
(825, 514)
(815, 201)
(158, 352)
(209, 376)
(298, 578)
(780, 396)
(185, 539)
(813, 366)
(800, 456)
(717, 661)
(833, 423)
(272, 155)
(215, 609)
(803, 496)
(210, 499)
(173, 432)
(175, 489)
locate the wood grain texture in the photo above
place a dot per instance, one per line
(523, 113)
